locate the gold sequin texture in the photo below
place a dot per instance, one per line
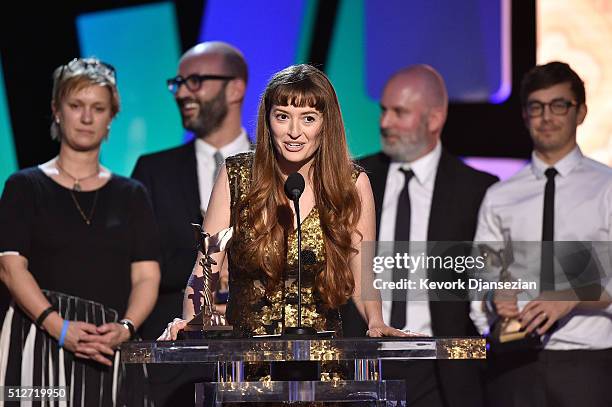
(253, 309)
(462, 348)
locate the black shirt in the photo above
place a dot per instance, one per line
(40, 219)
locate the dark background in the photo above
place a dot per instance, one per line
(35, 41)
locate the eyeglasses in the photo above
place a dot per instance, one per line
(92, 64)
(558, 107)
(193, 82)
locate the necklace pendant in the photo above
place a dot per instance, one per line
(76, 186)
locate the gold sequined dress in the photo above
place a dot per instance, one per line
(253, 310)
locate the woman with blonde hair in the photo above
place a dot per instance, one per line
(78, 250)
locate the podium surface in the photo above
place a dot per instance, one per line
(365, 387)
(276, 349)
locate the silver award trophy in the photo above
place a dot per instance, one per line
(503, 329)
(207, 322)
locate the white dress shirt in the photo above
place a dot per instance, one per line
(205, 158)
(420, 188)
(583, 212)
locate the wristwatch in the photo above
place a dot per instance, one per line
(129, 325)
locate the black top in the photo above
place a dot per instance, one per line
(40, 220)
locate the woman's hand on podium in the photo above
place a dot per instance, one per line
(385, 330)
(172, 329)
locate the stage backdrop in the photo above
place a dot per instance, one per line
(579, 32)
(359, 43)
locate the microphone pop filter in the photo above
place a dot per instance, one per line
(294, 186)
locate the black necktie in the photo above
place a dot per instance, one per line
(547, 274)
(402, 234)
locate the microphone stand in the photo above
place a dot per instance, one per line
(297, 370)
(299, 331)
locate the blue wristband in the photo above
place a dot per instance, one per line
(62, 337)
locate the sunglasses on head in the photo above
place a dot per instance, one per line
(85, 64)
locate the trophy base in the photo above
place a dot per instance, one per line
(510, 331)
(207, 325)
(528, 343)
(514, 336)
(507, 336)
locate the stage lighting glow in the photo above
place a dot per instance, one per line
(8, 159)
(579, 32)
(271, 37)
(142, 43)
(468, 42)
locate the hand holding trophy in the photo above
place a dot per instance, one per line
(506, 328)
(207, 322)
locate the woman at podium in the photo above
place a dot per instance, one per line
(299, 130)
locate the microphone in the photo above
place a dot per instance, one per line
(294, 187)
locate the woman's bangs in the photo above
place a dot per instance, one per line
(297, 95)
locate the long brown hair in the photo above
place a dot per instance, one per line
(336, 196)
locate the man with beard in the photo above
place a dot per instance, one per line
(423, 193)
(209, 90)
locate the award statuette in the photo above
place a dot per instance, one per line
(506, 331)
(207, 322)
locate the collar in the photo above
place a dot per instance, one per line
(424, 168)
(239, 144)
(564, 166)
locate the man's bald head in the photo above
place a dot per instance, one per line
(424, 80)
(414, 106)
(231, 59)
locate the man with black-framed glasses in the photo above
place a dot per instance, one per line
(209, 89)
(564, 198)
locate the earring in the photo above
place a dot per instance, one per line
(57, 120)
(108, 127)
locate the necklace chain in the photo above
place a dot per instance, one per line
(77, 187)
(77, 181)
(87, 219)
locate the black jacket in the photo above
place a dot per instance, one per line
(171, 179)
(458, 193)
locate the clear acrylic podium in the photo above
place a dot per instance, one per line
(364, 355)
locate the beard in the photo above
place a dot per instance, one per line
(408, 146)
(211, 114)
